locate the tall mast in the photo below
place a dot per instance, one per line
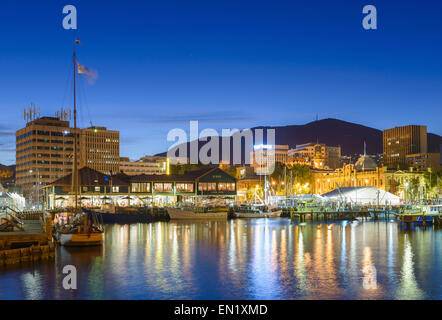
(75, 137)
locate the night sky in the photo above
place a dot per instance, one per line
(228, 64)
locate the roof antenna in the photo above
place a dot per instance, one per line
(365, 149)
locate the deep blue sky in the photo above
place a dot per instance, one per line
(229, 64)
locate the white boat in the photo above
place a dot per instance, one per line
(432, 209)
(180, 214)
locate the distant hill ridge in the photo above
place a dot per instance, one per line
(333, 132)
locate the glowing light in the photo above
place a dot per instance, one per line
(262, 147)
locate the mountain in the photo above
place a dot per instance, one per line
(333, 132)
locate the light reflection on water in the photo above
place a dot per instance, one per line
(241, 259)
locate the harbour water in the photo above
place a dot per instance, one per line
(242, 259)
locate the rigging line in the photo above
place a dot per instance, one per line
(68, 83)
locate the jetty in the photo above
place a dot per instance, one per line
(25, 236)
(325, 215)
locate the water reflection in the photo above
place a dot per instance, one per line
(241, 259)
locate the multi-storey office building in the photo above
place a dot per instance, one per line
(399, 142)
(44, 152)
(423, 161)
(100, 149)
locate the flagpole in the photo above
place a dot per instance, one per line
(75, 138)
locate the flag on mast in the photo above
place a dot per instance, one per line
(90, 74)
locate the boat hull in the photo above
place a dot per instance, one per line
(249, 215)
(81, 240)
(126, 218)
(178, 214)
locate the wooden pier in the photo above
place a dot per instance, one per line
(304, 216)
(30, 240)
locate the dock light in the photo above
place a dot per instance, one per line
(273, 182)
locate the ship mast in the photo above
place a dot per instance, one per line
(75, 169)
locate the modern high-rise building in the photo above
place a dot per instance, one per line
(44, 152)
(399, 142)
(423, 161)
(100, 149)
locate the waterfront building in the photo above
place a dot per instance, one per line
(96, 188)
(44, 152)
(146, 165)
(316, 155)
(263, 157)
(423, 161)
(366, 174)
(100, 149)
(247, 183)
(399, 142)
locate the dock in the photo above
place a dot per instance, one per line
(30, 240)
(304, 216)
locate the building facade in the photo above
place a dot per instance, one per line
(399, 142)
(100, 149)
(423, 161)
(316, 155)
(96, 188)
(390, 180)
(263, 157)
(44, 153)
(146, 165)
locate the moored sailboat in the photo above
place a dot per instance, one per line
(85, 229)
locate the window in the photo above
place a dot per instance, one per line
(115, 189)
(158, 187)
(184, 187)
(226, 186)
(207, 186)
(167, 187)
(97, 189)
(140, 187)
